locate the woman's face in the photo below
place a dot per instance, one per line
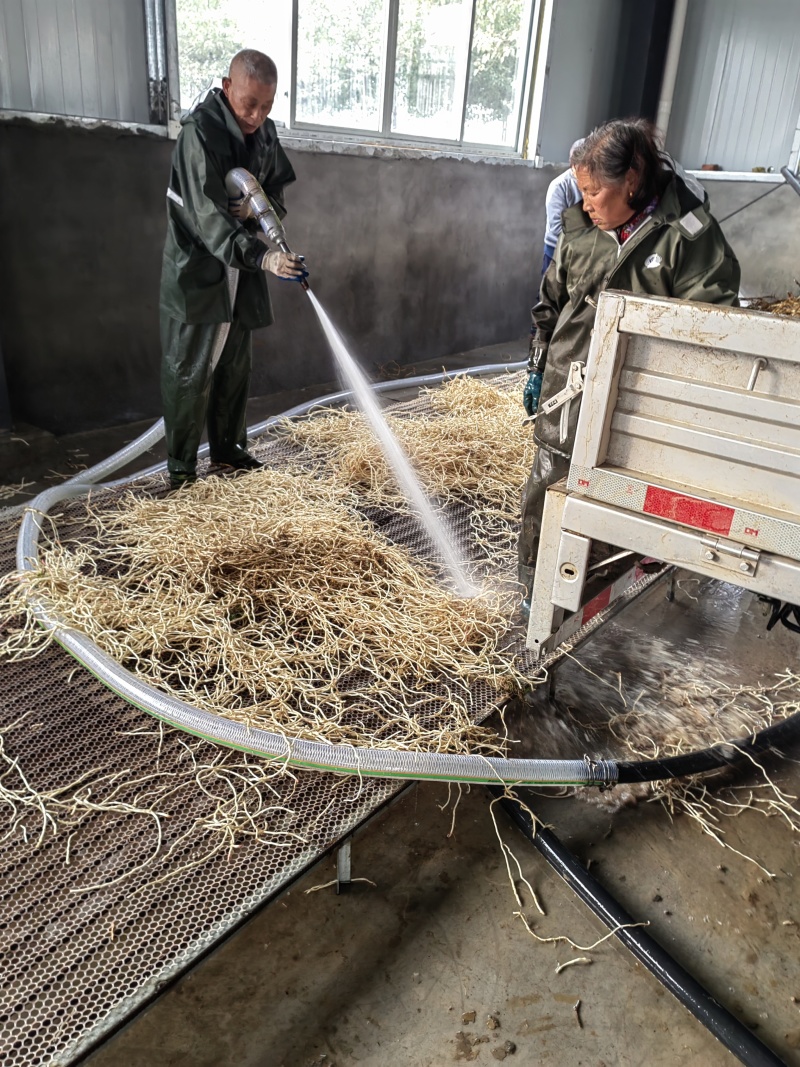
(608, 206)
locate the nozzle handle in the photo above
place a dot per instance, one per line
(240, 181)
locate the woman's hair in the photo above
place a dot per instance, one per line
(614, 148)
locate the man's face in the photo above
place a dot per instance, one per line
(250, 100)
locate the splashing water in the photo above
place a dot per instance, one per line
(406, 478)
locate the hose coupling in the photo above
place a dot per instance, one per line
(602, 773)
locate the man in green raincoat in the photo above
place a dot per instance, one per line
(207, 237)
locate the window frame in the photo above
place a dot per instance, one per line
(385, 135)
(169, 36)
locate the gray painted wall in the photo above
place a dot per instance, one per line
(414, 258)
(764, 236)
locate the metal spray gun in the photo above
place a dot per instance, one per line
(240, 182)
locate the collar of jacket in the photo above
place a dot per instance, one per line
(214, 108)
(678, 206)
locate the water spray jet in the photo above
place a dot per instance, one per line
(395, 456)
(240, 181)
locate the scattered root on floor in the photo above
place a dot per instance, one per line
(8, 492)
(270, 600)
(520, 883)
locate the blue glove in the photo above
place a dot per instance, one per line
(532, 392)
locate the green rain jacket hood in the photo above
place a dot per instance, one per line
(203, 238)
(679, 251)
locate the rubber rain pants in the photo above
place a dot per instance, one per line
(193, 393)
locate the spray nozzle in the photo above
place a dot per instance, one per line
(240, 182)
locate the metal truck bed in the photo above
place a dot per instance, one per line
(687, 450)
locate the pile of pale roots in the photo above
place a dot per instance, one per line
(473, 448)
(788, 305)
(272, 600)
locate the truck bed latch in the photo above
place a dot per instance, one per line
(563, 399)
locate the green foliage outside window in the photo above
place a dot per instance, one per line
(495, 55)
(207, 39)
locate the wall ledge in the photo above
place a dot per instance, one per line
(44, 119)
(736, 176)
(298, 140)
(301, 141)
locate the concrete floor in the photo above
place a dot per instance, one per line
(391, 972)
(385, 974)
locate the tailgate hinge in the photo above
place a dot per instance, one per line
(730, 555)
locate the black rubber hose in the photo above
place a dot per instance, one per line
(725, 754)
(733, 1034)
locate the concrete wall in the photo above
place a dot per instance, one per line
(765, 236)
(414, 258)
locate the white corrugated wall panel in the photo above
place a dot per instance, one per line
(14, 74)
(74, 57)
(737, 97)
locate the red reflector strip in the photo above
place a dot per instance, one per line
(602, 600)
(690, 511)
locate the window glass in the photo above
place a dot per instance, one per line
(497, 71)
(430, 72)
(442, 85)
(211, 32)
(340, 62)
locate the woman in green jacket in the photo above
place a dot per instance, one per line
(643, 227)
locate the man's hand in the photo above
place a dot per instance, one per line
(239, 207)
(532, 392)
(288, 267)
